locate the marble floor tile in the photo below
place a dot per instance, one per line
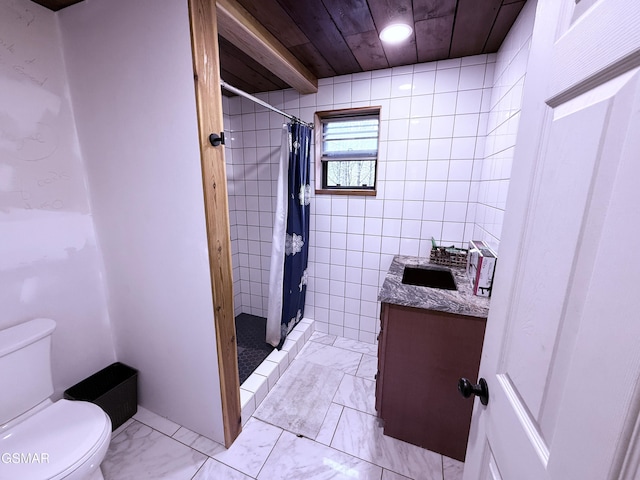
(330, 356)
(198, 442)
(122, 427)
(359, 434)
(389, 475)
(301, 399)
(301, 458)
(368, 367)
(323, 338)
(140, 453)
(356, 346)
(453, 469)
(252, 447)
(329, 424)
(357, 393)
(327, 391)
(155, 421)
(214, 470)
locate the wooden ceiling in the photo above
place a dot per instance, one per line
(338, 37)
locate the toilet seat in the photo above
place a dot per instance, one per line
(67, 432)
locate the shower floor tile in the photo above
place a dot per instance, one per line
(252, 347)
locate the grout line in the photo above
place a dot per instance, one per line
(199, 468)
(271, 451)
(342, 407)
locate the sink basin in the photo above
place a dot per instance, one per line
(429, 277)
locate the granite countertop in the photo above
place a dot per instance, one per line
(461, 301)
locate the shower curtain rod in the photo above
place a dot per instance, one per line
(244, 94)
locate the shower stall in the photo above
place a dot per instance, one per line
(254, 158)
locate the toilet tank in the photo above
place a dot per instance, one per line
(25, 367)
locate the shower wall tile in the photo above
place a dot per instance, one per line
(506, 78)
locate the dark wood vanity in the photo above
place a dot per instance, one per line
(422, 353)
(421, 356)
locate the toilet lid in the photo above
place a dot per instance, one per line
(53, 440)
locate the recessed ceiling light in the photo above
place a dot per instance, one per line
(395, 33)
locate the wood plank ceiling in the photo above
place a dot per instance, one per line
(339, 37)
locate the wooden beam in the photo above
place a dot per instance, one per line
(206, 73)
(234, 59)
(238, 26)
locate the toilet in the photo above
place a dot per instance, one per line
(41, 439)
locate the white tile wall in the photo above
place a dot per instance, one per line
(432, 134)
(237, 203)
(251, 153)
(492, 173)
(447, 137)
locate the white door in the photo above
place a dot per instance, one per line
(562, 349)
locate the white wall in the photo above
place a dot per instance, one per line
(432, 142)
(502, 127)
(50, 265)
(131, 79)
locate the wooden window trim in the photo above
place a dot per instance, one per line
(346, 112)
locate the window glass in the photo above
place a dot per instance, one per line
(347, 146)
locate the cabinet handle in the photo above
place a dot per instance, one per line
(481, 389)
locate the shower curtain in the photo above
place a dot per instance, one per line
(290, 249)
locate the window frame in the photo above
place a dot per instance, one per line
(320, 171)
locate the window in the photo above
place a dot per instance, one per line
(346, 146)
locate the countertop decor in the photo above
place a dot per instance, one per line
(461, 301)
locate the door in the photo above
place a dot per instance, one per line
(562, 349)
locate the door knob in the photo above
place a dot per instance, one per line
(481, 389)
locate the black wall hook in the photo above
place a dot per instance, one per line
(216, 139)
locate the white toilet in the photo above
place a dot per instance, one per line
(41, 439)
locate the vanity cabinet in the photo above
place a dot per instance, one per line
(421, 355)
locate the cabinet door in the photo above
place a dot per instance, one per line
(425, 353)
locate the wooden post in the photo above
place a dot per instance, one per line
(206, 70)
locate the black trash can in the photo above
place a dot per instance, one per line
(114, 389)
